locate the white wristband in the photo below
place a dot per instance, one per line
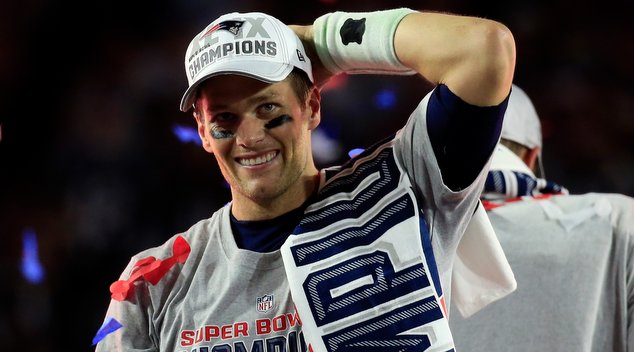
(359, 42)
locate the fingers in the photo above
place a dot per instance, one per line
(305, 33)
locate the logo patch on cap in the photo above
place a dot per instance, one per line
(300, 56)
(230, 26)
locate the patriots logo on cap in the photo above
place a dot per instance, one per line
(230, 26)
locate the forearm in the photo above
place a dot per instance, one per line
(474, 57)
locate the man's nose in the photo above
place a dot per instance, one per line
(250, 132)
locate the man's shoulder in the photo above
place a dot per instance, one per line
(199, 231)
(618, 207)
(616, 200)
(373, 155)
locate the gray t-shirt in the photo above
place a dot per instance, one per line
(223, 298)
(573, 259)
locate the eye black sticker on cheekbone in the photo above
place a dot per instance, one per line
(352, 31)
(278, 121)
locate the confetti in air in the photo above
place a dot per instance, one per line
(335, 83)
(385, 99)
(151, 269)
(31, 267)
(354, 152)
(186, 134)
(109, 326)
(326, 149)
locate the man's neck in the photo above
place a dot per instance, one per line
(504, 159)
(244, 208)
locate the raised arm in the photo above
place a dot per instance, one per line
(473, 57)
(470, 59)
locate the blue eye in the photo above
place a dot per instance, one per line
(223, 117)
(222, 125)
(268, 107)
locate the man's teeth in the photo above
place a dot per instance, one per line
(258, 160)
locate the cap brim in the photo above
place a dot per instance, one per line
(265, 71)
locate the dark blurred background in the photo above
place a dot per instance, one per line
(96, 162)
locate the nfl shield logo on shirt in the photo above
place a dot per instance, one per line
(264, 303)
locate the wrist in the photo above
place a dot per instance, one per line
(359, 42)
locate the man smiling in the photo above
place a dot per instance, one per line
(263, 152)
(353, 257)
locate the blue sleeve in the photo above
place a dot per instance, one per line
(462, 135)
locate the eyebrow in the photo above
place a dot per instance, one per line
(264, 97)
(259, 98)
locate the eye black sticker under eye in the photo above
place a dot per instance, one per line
(221, 134)
(278, 121)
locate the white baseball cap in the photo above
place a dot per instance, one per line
(522, 124)
(251, 44)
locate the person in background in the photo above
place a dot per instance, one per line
(353, 257)
(572, 255)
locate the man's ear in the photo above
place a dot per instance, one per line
(530, 158)
(314, 107)
(204, 138)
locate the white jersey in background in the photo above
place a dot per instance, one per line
(573, 259)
